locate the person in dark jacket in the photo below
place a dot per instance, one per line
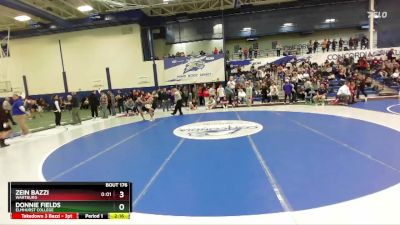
(5, 128)
(94, 104)
(76, 118)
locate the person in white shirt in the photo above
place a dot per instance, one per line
(273, 92)
(241, 96)
(395, 75)
(231, 83)
(344, 93)
(220, 92)
(57, 110)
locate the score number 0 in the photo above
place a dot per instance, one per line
(121, 195)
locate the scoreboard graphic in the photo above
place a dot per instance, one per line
(70, 200)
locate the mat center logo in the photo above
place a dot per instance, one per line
(218, 129)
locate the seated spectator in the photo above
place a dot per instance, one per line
(224, 102)
(130, 107)
(241, 96)
(343, 95)
(273, 92)
(320, 96)
(211, 104)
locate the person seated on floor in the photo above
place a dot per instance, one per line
(193, 104)
(343, 95)
(224, 102)
(320, 96)
(241, 96)
(211, 104)
(130, 107)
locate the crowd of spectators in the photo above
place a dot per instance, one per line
(343, 80)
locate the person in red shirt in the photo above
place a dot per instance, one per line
(245, 53)
(215, 51)
(201, 95)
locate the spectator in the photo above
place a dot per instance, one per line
(320, 96)
(240, 53)
(334, 43)
(211, 103)
(7, 109)
(57, 110)
(103, 105)
(287, 89)
(278, 49)
(323, 45)
(315, 47)
(178, 102)
(344, 94)
(309, 47)
(76, 118)
(120, 101)
(19, 111)
(94, 104)
(215, 51)
(341, 42)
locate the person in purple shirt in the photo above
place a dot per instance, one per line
(18, 110)
(287, 89)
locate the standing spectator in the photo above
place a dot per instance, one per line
(249, 93)
(18, 110)
(334, 43)
(215, 51)
(315, 47)
(76, 118)
(256, 52)
(364, 42)
(221, 93)
(390, 55)
(5, 128)
(361, 87)
(103, 105)
(323, 45)
(120, 101)
(351, 43)
(328, 45)
(200, 95)
(240, 53)
(7, 109)
(57, 110)
(341, 42)
(250, 52)
(245, 53)
(212, 91)
(355, 40)
(278, 48)
(165, 100)
(178, 102)
(309, 47)
(264, 93)
(94, 104)
(287, 89)
(111, 102)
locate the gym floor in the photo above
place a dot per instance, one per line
(303, 164)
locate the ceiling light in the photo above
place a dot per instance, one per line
(247, 29)
(288, 24)
(22, 18)
(330, 20)
(85, 8)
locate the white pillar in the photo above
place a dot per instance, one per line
(371, 23)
